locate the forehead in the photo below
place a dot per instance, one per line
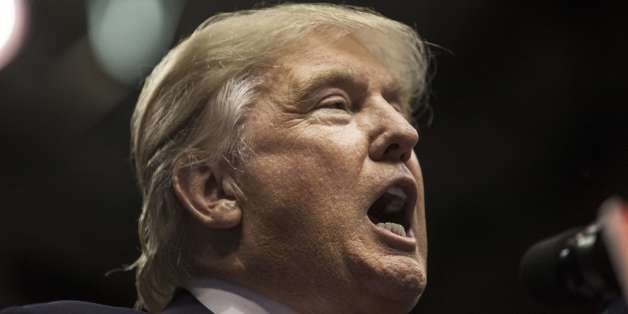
(319, 59)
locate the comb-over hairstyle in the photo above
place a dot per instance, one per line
(194, 103)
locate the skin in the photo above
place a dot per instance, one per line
(326, 138)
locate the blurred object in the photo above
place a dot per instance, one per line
(13, 22)
(129, 37)
(614, 217)
(617, 307)
(574, 267)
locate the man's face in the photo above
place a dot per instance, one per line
(331, 158)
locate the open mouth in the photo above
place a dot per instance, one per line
(393, 210)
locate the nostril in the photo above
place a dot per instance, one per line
(393, 145)
(391, 148)
(395, 152)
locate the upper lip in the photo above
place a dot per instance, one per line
(409, 186)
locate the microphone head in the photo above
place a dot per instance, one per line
(542, 270)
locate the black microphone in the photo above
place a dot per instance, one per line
(583, 266)
(571, 269)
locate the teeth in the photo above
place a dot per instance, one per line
(393, 227)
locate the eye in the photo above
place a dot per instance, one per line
(334, 102)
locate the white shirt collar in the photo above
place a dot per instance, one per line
(225, 298)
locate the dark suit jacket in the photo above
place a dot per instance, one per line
(182, 303)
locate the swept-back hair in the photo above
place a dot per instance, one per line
(196, 99)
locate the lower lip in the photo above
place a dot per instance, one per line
(406, 244)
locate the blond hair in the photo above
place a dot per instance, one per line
(196, 98)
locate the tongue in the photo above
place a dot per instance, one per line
(392, 227)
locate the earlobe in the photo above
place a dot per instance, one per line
(206, 194)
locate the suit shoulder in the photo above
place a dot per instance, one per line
(68, 307)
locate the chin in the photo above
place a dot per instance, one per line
(389, 283)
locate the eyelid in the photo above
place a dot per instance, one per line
(334, 94)
(334, 99)
(393, 98)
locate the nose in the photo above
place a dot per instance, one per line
(393, 137)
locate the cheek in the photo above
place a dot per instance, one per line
(306, 179)
(313, 160)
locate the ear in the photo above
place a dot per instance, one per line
(207, 192)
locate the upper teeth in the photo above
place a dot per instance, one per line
(396, 205)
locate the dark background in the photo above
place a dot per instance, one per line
(530, 136)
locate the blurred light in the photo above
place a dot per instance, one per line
(12, 29)
(129, 37)
(7, 21)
